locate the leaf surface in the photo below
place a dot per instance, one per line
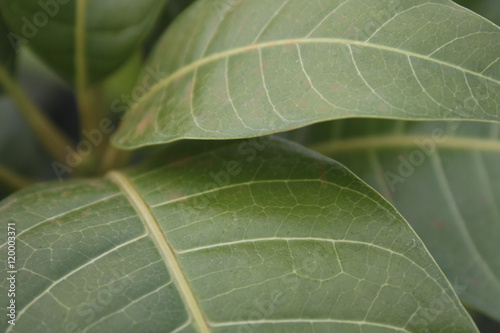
(444, 178)
(113, 30)
(257, 236)
(247, 68)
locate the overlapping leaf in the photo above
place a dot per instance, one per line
(114, 28)
(444, 178)
(257, 236)
(246, 68)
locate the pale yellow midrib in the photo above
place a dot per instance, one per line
(241, 50)
(405, 141)
(166, 251)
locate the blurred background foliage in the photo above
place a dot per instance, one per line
(19, 148)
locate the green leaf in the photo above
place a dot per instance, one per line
(257, 236)
(444, 178)
(247, 68)
(114, 29)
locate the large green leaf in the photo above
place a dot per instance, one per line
(444, 178)
(248, 68)
(256, 236)
(114, 28)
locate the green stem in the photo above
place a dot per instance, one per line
(54, 141)
(88, 106)
(12, 180)
(113, 158)
(85, 98)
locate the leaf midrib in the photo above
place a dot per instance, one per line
(298, 321)
(166, 251)
(230, 52)
(405, 141)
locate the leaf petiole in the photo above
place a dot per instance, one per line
(113, 158)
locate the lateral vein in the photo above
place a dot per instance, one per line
(166, 251)
(284, 42)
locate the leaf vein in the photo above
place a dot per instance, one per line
(311, 321)
(55, 283)
(48, 219)
(132, 302)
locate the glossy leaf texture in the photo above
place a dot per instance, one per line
(247, 68)
(113, 30)
(444, 178)
(260, 235)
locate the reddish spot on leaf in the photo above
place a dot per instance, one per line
(477, 282)
(66, 194)
(145, 122)
(334, 87)
(486, 200)
(182, 161)
(289, 47)
(438, 224)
